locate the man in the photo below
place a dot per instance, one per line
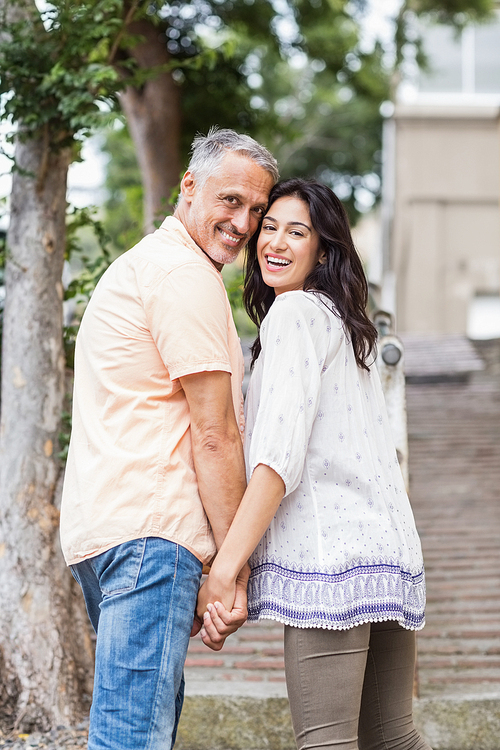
(155, 468)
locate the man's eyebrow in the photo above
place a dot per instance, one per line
(289, 223)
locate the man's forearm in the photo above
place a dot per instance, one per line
(217, 447)
(220, 470)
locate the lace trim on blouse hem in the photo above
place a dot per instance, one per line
(328, 626)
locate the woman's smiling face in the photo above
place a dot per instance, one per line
(288, 245)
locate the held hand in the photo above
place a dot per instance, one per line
(219, 622)
(214, 589)
(197, 626)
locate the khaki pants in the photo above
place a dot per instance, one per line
(352, 689)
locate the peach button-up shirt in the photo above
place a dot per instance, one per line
(158, 313)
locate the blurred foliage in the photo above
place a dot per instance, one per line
(64, 436)
(55, 68)
(92, 266)
(2, 272)
(290, 74)
(123, 206)
(294, 79)
(330, 125)
(233, 281)
(456, 13)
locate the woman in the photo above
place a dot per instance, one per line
(326, 521)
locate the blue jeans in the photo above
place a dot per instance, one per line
(141, 598)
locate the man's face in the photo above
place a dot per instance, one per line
(225, 212)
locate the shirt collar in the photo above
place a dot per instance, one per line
(172, 225)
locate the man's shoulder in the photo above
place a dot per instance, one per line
(170, 248)
(163, 250)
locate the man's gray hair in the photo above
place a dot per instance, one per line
(208, 151)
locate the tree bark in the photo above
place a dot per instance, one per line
(153, 116)
(45, 649)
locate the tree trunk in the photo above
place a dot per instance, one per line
(153, 116)
(45, 649)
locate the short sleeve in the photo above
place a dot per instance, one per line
(187, 313)
(295, 338)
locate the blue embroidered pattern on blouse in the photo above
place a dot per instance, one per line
(365, 593)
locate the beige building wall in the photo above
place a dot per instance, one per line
(443, 238)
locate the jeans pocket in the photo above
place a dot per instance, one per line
(118, 569)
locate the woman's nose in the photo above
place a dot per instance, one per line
(278, 241)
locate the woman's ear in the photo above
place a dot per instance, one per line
(322, 257)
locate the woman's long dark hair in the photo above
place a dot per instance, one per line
(340, 278)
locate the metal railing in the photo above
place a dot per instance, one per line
(390, 364)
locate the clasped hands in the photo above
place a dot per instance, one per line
(221, 608)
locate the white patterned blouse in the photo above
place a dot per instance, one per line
(342, 548)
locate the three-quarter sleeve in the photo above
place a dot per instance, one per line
(295, 339)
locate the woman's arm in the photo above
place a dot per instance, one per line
(295, 340)
(256, 510)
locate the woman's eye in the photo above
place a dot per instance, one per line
(268, 227)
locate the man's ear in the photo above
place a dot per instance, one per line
(188, 186)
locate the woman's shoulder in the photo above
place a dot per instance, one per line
(296, 312)
(314, 307)
(299, 300)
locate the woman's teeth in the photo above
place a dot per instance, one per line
(278, 261)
